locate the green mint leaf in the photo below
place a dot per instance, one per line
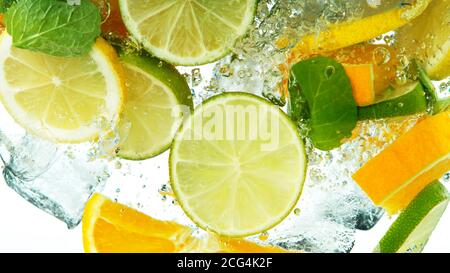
(320, 93)
(54, 27)
(5, 4)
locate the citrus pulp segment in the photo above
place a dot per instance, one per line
(188, 32)
(218, 159)
(62, 99)
(157, 99)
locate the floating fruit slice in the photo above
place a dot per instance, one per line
(112, 24)
(397, 174)
(396, 102)
(156, 100)
(427, 38)
(412, 229)
(188, 32)
(362, 79)
(372, 69)
(61, 99)
(111, 227)
(349, 33)
(217, 158)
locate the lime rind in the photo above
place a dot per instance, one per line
(177, 191)
(189, 61)
(413, 217)
(170, 78)
(403, 101)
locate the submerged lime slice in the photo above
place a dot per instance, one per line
(403, 101)
(412, 229)
(237, 165)
(157, 97)
(188, 32)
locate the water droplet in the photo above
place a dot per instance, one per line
(381, 55)
(118, 165)
(225, 70)
(196, 77)
(329, 71)
(263, 236)
(297, 211)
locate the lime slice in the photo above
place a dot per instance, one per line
(396, 102)
(237, 165)
(66, 100)
(412, 229)
(157, 98)
(188, 32)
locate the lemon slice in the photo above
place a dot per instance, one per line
(345, 34)
(66, 100)
(237, 165)
(427, 38)
(412, 229)
(157, 98)
(188, 32)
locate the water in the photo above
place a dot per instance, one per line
(60, 178)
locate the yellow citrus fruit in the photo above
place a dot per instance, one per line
(428, 38)
(396, 175)
(67, 100)
(111, 227)
(185, 32)
(353, 32)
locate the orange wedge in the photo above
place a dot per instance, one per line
(109, 227)
(362, 79)
(396, 175)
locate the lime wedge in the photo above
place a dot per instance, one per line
(237, 165)
(412, 229)
(156, 99)
(396, 102)
(188, 32)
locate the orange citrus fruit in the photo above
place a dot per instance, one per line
(110, 227)
(396, 175)
(113, 23)
(362, 79)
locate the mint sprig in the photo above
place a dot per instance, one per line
(320, 93)
(54, 27)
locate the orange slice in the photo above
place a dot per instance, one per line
(362, 79)
(396, 175)
(113, 24)
(109, 227)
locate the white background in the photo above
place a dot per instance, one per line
(25, 228)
